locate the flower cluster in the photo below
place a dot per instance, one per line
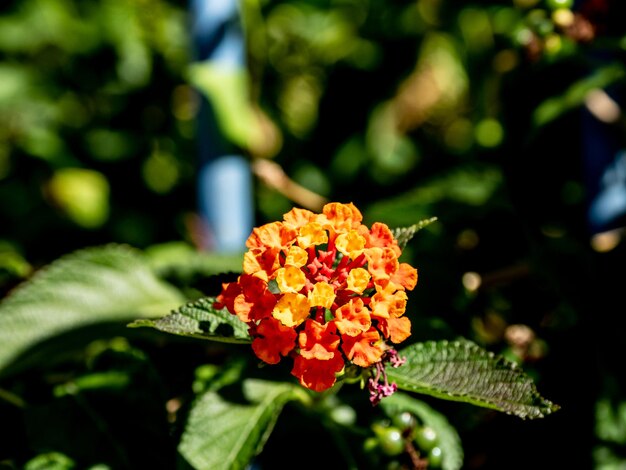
(324, 289)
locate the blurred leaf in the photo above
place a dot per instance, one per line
(42, 23)
(114, 379)
(122, 26)
(611, 421)
(403, 235)
(14, 80)
(226, 89)
(82, 194)
(161, 171)
(392, 152)
(182, 256)
(12, 263)
(222, 434)
(462, 371)
(575, 95)
(471, 186)
(448, 438)
(50, 461)
(104, 284)
(201, 320)
(43, 142)
(109, 145)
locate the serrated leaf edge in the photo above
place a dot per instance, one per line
(431, 390)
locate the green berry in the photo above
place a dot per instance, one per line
(426, 438)
(404, 421)
(390, 440)
(435, 457)
(370, 444)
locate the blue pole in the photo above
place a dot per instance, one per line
(224, 179)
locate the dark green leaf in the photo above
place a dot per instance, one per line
(201, 319)
(464, 186)
(91, 286)
(463, 371)
(404, 234)
(448, 439)
(221, 434)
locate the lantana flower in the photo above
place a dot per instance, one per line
(325, 290)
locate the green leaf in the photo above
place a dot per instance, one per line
(50, 461)
(403, 235)
(575, 95)
(200, 319)
(183, 261)
(225, 87)
(449, 440)
(95, 285)
(463, 371)
(222, 434)
(463, 188)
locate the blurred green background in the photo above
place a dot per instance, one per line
(468, 111)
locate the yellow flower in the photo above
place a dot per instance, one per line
(290, 279)
(312, 234)
(322, 295)
(291, 309)
(296, 256)
(350, 244)
(358, 279)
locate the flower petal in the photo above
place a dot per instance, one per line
(364, 349)
(291, 309)
(272, 339)
(315, 374)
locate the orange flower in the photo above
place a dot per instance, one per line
(386, 303)
(340, 218)
(380, 236)
(364, 349)
(297, 217)
(272, 340)
(353, 318)
(381, 262)
(248, 298)
(261, 263)
(274, 235)
(325, 290)
(318, 341)
(396, 329)
(405, 276)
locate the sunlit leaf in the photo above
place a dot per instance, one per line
(403, 235)
(50, 461)
(224, 434)
(202, 320)
(104, 284)
(463, 371)
(225, 87)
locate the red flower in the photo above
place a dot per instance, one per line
(272, 340)
(316, 374)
